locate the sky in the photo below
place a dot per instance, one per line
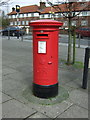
(13, 3)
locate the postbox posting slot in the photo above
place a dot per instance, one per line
(42, 35)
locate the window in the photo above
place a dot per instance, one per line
(84, 13)
(59, 14)
(64, 14)
(15, 23)
(23, 22)
(80, 14)
(45, 15)
(73, 23)
(36, 14)
(11, 23)
(32, 14)
(22, 15)
(83, 4)
(48, 15)
(29, 14)
(88, 13)
(26, 14)
(56, 15)
(52, 15)
(13, 16)
(19, 22)
(42, 16)
(27, 22)
(9, 16)
(84, 23)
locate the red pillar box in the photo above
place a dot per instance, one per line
(45, 57)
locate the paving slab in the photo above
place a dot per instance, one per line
(65, 76)
(0, 111)
(15, 109)
(77, 83)
(52, 111)
(17, 76)
(79, 97)
(0, 97)
(88, 80)
(14, 65)
(0, 83)
(8, 70)
(5, 98)
(74, 112)
(10, 84)
(25, 68)
(69, 89)
(15, 88)
(38, 115)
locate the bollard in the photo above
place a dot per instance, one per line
(79, 41)
(22, 37)
(17, 34)
(86, 67)
(8, 34)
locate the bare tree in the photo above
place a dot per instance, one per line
(69, 12)
(3, 2)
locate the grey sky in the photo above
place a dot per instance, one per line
(13, 3)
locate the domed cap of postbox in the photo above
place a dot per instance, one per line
(45, 22)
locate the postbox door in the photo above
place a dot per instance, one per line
(45, 58)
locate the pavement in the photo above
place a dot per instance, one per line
(17, 77)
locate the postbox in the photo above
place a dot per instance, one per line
(45, 57)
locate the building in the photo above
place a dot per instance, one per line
(34, 12)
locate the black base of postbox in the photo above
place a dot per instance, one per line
(45, 91)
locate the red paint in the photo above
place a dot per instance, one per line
(45, 65)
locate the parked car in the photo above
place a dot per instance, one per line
(13, 31)
(83, 32)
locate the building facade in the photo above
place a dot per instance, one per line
(34, 12)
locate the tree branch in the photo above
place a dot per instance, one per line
(56, 8)
(82, 10)
(71, 9)
(3, 2)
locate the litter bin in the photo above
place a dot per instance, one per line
(45, 57)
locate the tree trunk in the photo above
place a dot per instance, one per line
(74, 43)
(69, 42)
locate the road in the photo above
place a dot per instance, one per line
(62, 39)
(84, 41)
